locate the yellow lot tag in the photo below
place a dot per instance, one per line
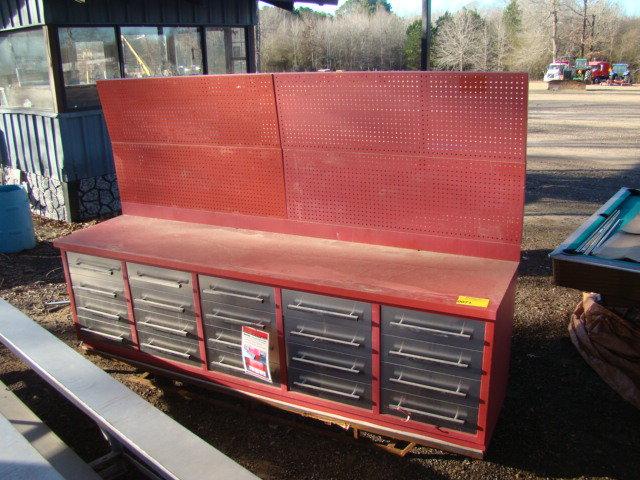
(473, 301)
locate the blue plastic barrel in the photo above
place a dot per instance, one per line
(16, 225)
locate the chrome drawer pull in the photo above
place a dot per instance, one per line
(165, 306)
(229, 293)
(328, 390)
(457, 393)
(97, 291)
(166, 350)
(100, 313)
(162, 328)
(95, 268)
(224, 342)
(235, 321)
(226, 365)
(320, 338)
(302, 359)
(402, 409)
(321, 311)
(159, 281)
(400, 353)
(435, 331)
(117, 338)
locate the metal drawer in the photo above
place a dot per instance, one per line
(146, 278)
(162, 302)
(432, 356)
(165, 324)
(425, 410)
(224, 339)
(233, 292)
(434, 385)
(105, 332)
(170, 348)
(432, 327)
(97, 280)
(324, 308)
(352, 338)
(103, 291)
(231, 364)
(93, 264)
(331, 388)
(331, 363)
(102, 311)
(234, 318)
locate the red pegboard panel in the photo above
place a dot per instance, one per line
(220, 179)
(472, 115)
(475, 199)
(236, 110)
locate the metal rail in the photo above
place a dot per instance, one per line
(151, 437)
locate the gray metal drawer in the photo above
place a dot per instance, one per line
(98, 280)
(174, 282)
(102, 291)
(102, 311)
(103, 331)
(352, 338)
(329, 363)
(233, 292)
(170, 348)
(157, 322)
(223, 339)
(434, 357)
(428, 384)
(94, 265)
(234, 318)
(432, 327)
(163, 302)
(231, 364)
(425, 410)
(325, 308)
(330, 388)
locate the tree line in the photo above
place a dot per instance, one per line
(524, 35)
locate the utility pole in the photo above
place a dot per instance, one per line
(425, 40)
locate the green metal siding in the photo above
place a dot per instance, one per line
(149, 12)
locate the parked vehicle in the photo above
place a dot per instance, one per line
(558, 71)
(600, 71)
(582, 71)
(621, 72)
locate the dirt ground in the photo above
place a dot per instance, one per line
(559, 419)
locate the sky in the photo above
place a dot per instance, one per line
(409, 8)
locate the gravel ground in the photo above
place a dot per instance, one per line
(559, 419)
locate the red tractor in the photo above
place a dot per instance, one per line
(599, 71)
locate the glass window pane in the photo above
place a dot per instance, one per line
(87, 54)
(24, 71)
(216, 56)
(238, 50)
(161, 51)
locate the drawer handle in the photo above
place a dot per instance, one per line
(97, 291)
(166, 350)
(229, 293)
(226, 365)
(235, 321)
(302, 359)
(162, 328)
(459, 363)
(402, 409)
(457, 393)
(159, 281)
(321, 311)
(95, 268)
(218, 339)
(100, 313)
(401, 323)
(320, 338)
(117, 338)
(328, 390)
(164, 306)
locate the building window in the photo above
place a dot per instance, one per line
(161, 51)
(87, 54)
(226, 50)
(24, 71)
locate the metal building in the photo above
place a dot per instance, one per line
(52, 52)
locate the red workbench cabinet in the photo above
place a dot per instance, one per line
(372, 241)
